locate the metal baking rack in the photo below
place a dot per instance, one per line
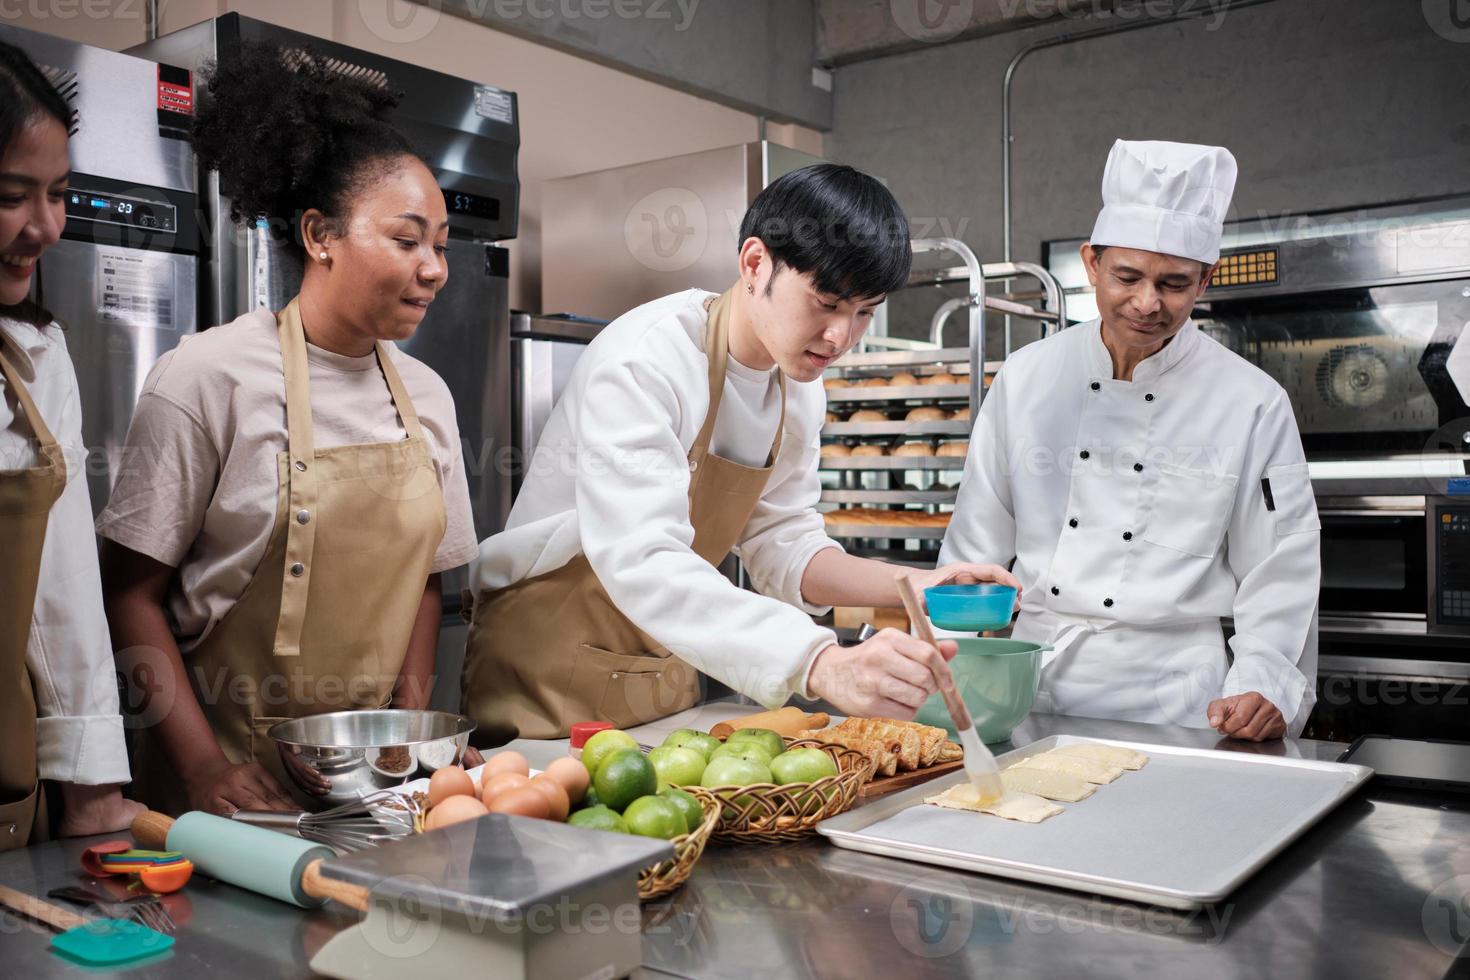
(929, 482)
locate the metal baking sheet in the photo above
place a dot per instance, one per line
(1183, 832)
(948, 427)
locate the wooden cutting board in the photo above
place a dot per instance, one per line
(883, 785)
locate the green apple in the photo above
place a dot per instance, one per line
(676, 765)
(802, 766)
(772, 741)
(688, 738)
(732, 770)
(742, 750)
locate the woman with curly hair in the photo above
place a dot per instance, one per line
(59, 718)
(294, 483)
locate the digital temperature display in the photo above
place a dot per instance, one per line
(119, 210)
(472, 205)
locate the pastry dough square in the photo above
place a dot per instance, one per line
(1112, 755)
(1061, 786)
(1023, 807)
(1089, 769)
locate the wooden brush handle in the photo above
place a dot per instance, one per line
(150, 830)
(318, 885)
(53, 915)
(952, 700)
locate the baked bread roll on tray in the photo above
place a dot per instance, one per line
(834, 450)
(868, 415)
(913, 449)
(926, 413)
(869, 450)
(959, 447)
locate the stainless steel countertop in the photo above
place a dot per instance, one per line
(1380, 888)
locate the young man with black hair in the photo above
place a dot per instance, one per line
(690, 428)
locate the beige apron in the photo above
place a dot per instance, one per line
(553, 650)
(26, 497)
(324, 623)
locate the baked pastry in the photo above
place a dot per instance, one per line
(868, 415)
(913, 449)
(961, 414)
(959, 447)
(943, 378)
(925, 413)
(903, 378)
(831, 383)
(833, 417)
(835, 449)
(869, 450)
(872, 383)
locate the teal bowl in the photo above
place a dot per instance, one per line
(998, 680)
(970, 608)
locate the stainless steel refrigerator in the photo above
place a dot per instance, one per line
(123, 280)
(470, 136)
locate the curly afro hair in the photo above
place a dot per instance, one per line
(288, 132)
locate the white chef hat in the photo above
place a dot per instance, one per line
(1166, 197)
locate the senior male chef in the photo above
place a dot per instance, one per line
(1148, 481)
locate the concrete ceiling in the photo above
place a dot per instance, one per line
(857, 30)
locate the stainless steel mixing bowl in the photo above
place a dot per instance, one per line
(341, 756)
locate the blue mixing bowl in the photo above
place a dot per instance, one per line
(970, 608)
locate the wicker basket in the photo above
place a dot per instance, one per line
(658, 880)
(765, 813)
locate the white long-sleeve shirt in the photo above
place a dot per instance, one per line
(1142, 506)
(610, 479)
(79, 730)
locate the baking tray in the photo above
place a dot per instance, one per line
(1183, 832)
(944, 427)
(839, 529)
(900, 393)
(891, 463)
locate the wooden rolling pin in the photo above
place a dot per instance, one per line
(264, 861)
(783, 721)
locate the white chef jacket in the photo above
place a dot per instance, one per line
(610, 479)
(1140, 513)
(79, 728)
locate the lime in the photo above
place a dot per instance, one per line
(598, 818)
(589, 799)
(654, 816)
(687, 803)
(771, 741)
(604, 744)
(677, 766)
(623, 777)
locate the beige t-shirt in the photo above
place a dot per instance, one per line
(196, 484)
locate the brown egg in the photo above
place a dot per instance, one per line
(572, 775)
(556, 796)
(454, 809)
(494, 785)
(447, 782)
(506, 762)
(522, 801)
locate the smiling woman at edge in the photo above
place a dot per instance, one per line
(297, 483)
(56, 722)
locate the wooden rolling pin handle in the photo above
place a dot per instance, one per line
(318, 885)
(54, 916)
(150, 829)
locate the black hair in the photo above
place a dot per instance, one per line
(289, 132)
(25, 95)
(837, 224)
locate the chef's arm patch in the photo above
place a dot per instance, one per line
(1287, 490)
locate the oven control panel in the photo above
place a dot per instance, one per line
(1449, 564)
